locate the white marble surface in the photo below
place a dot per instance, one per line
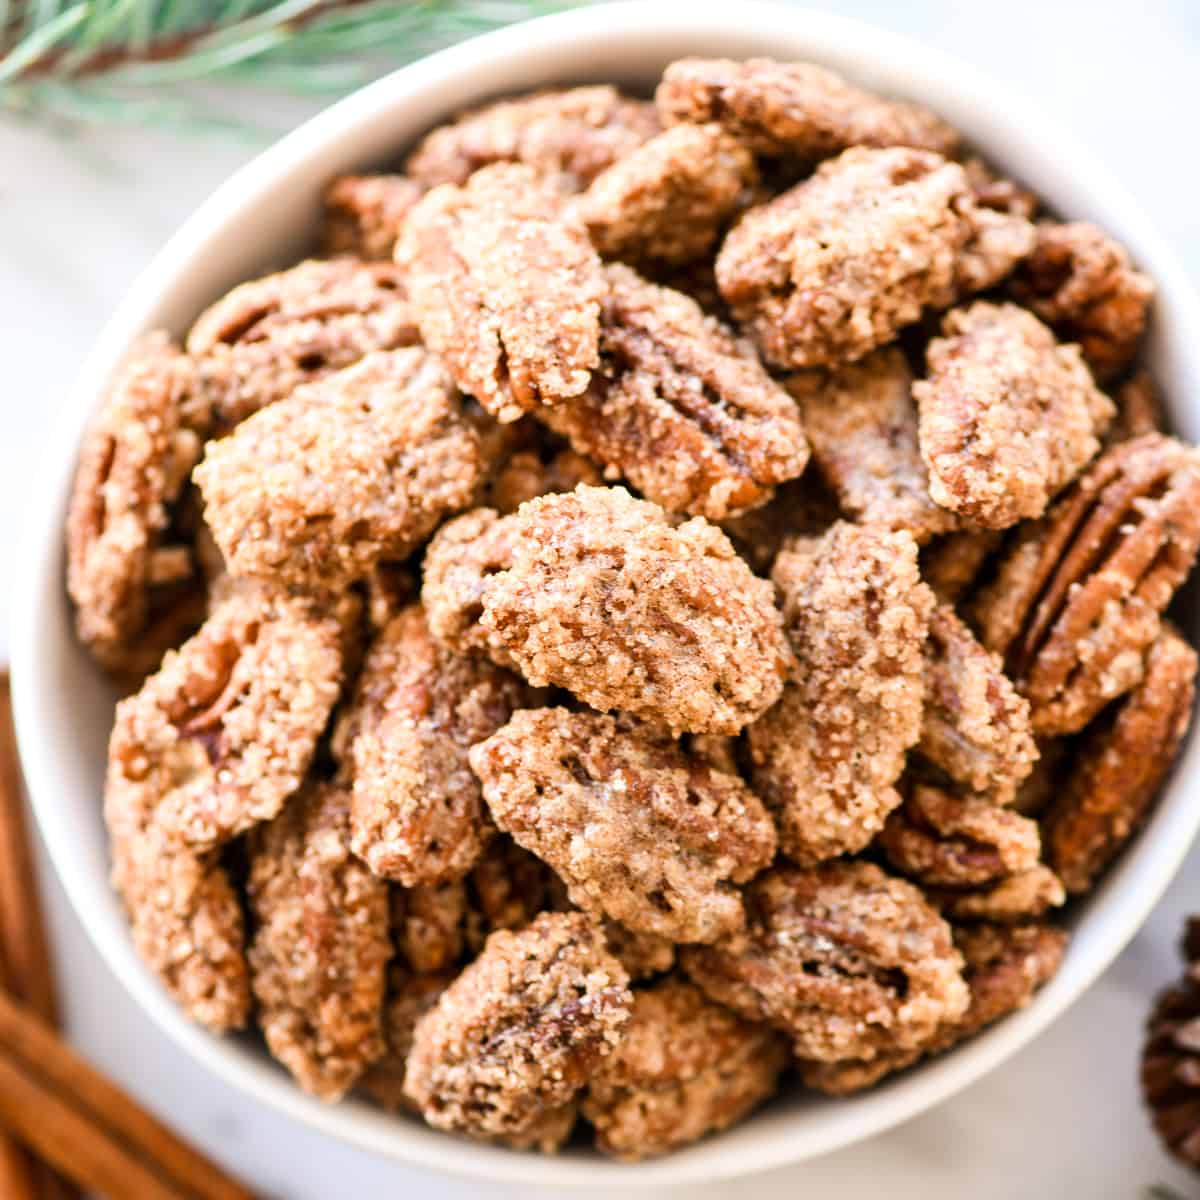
(78, 220)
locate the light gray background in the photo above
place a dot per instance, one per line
(80, 218)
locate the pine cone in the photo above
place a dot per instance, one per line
(1171, 1058)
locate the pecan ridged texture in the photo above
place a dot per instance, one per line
(1077, 600)
(638, 831)
(844, 959)
(679, 408)
(1120, 766)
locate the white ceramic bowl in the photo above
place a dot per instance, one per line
(264, 217)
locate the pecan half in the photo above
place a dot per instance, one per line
(685, 1067)
(679, 408)
(667, 200)
(794, 109)
(847, 961)
(364, 213)
(825, 758)
(266, 337)
(1120, 766)
(570, 135)
(528, 474)
(975, 727)
(1005, 966)
(1017, 897)
(951, 564)
(1077, 600)
(321, 944)
(637, 831)
(130, 571)
(802, 507)
(223, 734)
(862, 424)
(1081, 282)
(416, 813)
(506, 287)
(1007, 415)
(1139, 409)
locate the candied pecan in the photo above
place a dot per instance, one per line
(571, 135)
(319, 956)
(505, 285)
(268, 336)
(796, 109)
(975, 727)
(1120, 766)
(643, 955)
(521, 1030)
(433, 925)
(185, 915)
(844, 959)
(1018, 897)
(131, 576)
(685, 1067)
(679, 407)
(952, 564)
(636, 830)
(1005, 966)
(802, 507)
(862, 425)
(1077, 601)
(607, 597)
(409, 997)
(358, 467)
(223, 734)
(1042, 784)
(998, 192)
(510, 886)
(826, 756)
(364, 214)
(839, 264)
(1081, 282)
(1007, 415)
(416, 814)
(1139, 409)
(668, 200)
(532, 473)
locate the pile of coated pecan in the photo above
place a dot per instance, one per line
(672, 600)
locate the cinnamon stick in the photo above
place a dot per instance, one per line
(70, 1115)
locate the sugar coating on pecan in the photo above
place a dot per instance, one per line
(321, 946)
(409, 997)
(416, 813)
(637, 830)
(946, 840)
(356, 468)
(1076, 602)
(838, 265)
(668, 200)
(680, 408)
(130, 572)
(521, 1030)
(686, 1067)
(257, 344)
(1121, 765)
(609, 598)
(363, 214)
(1081, 282)
(796, 110)
(975, 727)
(803, 507)
(1005, 966)
(826, 757)
(1139, 409)
(506, 287)
(951, 564)
(1018, 897)
(1007, 415)
(185, 916)
(846, 960)
(570, 135)
(862, 425)
(529, 474)
(222, 735)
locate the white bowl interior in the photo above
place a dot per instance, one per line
(264, 217)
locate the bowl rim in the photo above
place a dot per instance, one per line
(1119, 906)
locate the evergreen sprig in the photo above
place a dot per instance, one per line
(141, 61)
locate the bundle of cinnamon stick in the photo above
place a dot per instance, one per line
(63, 1126)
